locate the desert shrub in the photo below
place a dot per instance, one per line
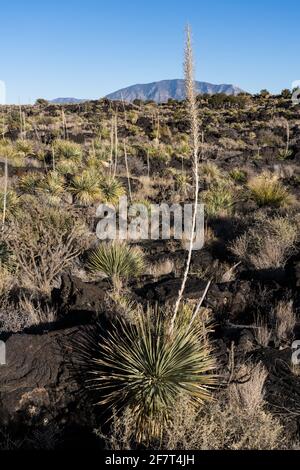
(147, 368)
(7, 150)
(66, 167)
(267, 190)
(66, 150)
(237, 420)
(43, 242)
(267, 138)
(182, 182)
(218, 199)
(99, 152)
(86, 188)
(111, 190)
(268, 243)
(160, 152)
(15, 316)
(116, 260)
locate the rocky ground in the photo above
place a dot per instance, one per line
(254, 298)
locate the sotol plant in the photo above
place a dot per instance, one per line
(144, 367)
(86, 188)
(116, 260)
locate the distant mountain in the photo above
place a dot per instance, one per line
(164, 90)
(67, 101)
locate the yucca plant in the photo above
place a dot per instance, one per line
(7, 150)
(112, 190)
(12, 203)
(182, 182)
(86, 188)
(66, 150)
(65, 167)
(142, 366)
(238, 175)
(116, 260)
(267, 190)
(53, 185)
(29, 183)
(218, 200)
(25, 147)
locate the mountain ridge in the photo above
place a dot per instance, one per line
(164, 90)
(159, 92)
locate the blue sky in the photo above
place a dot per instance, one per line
(89, 48)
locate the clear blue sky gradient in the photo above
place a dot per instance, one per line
(89, 48)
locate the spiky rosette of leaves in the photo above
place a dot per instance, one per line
(86, 188)
(147, 368)
(112, 190)
(116, 260)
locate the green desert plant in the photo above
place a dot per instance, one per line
(144, 367)
(210, 172)
(24, 147)
(218, 199)
(12, 203)
(182, 182)
(267, 190)
(53, 186)
(240, 176)
(66, 150)
(112, 190)
(116, 260)
(86, 188)
(29, 183)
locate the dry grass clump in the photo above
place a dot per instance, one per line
(262, 332)
(268, 243)
(209, 172)
(237, 419)
(15, 316)
(161, 268)
(285, 320)
(267, 190)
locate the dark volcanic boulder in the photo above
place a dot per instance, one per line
(39, 382)
(79, 302)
